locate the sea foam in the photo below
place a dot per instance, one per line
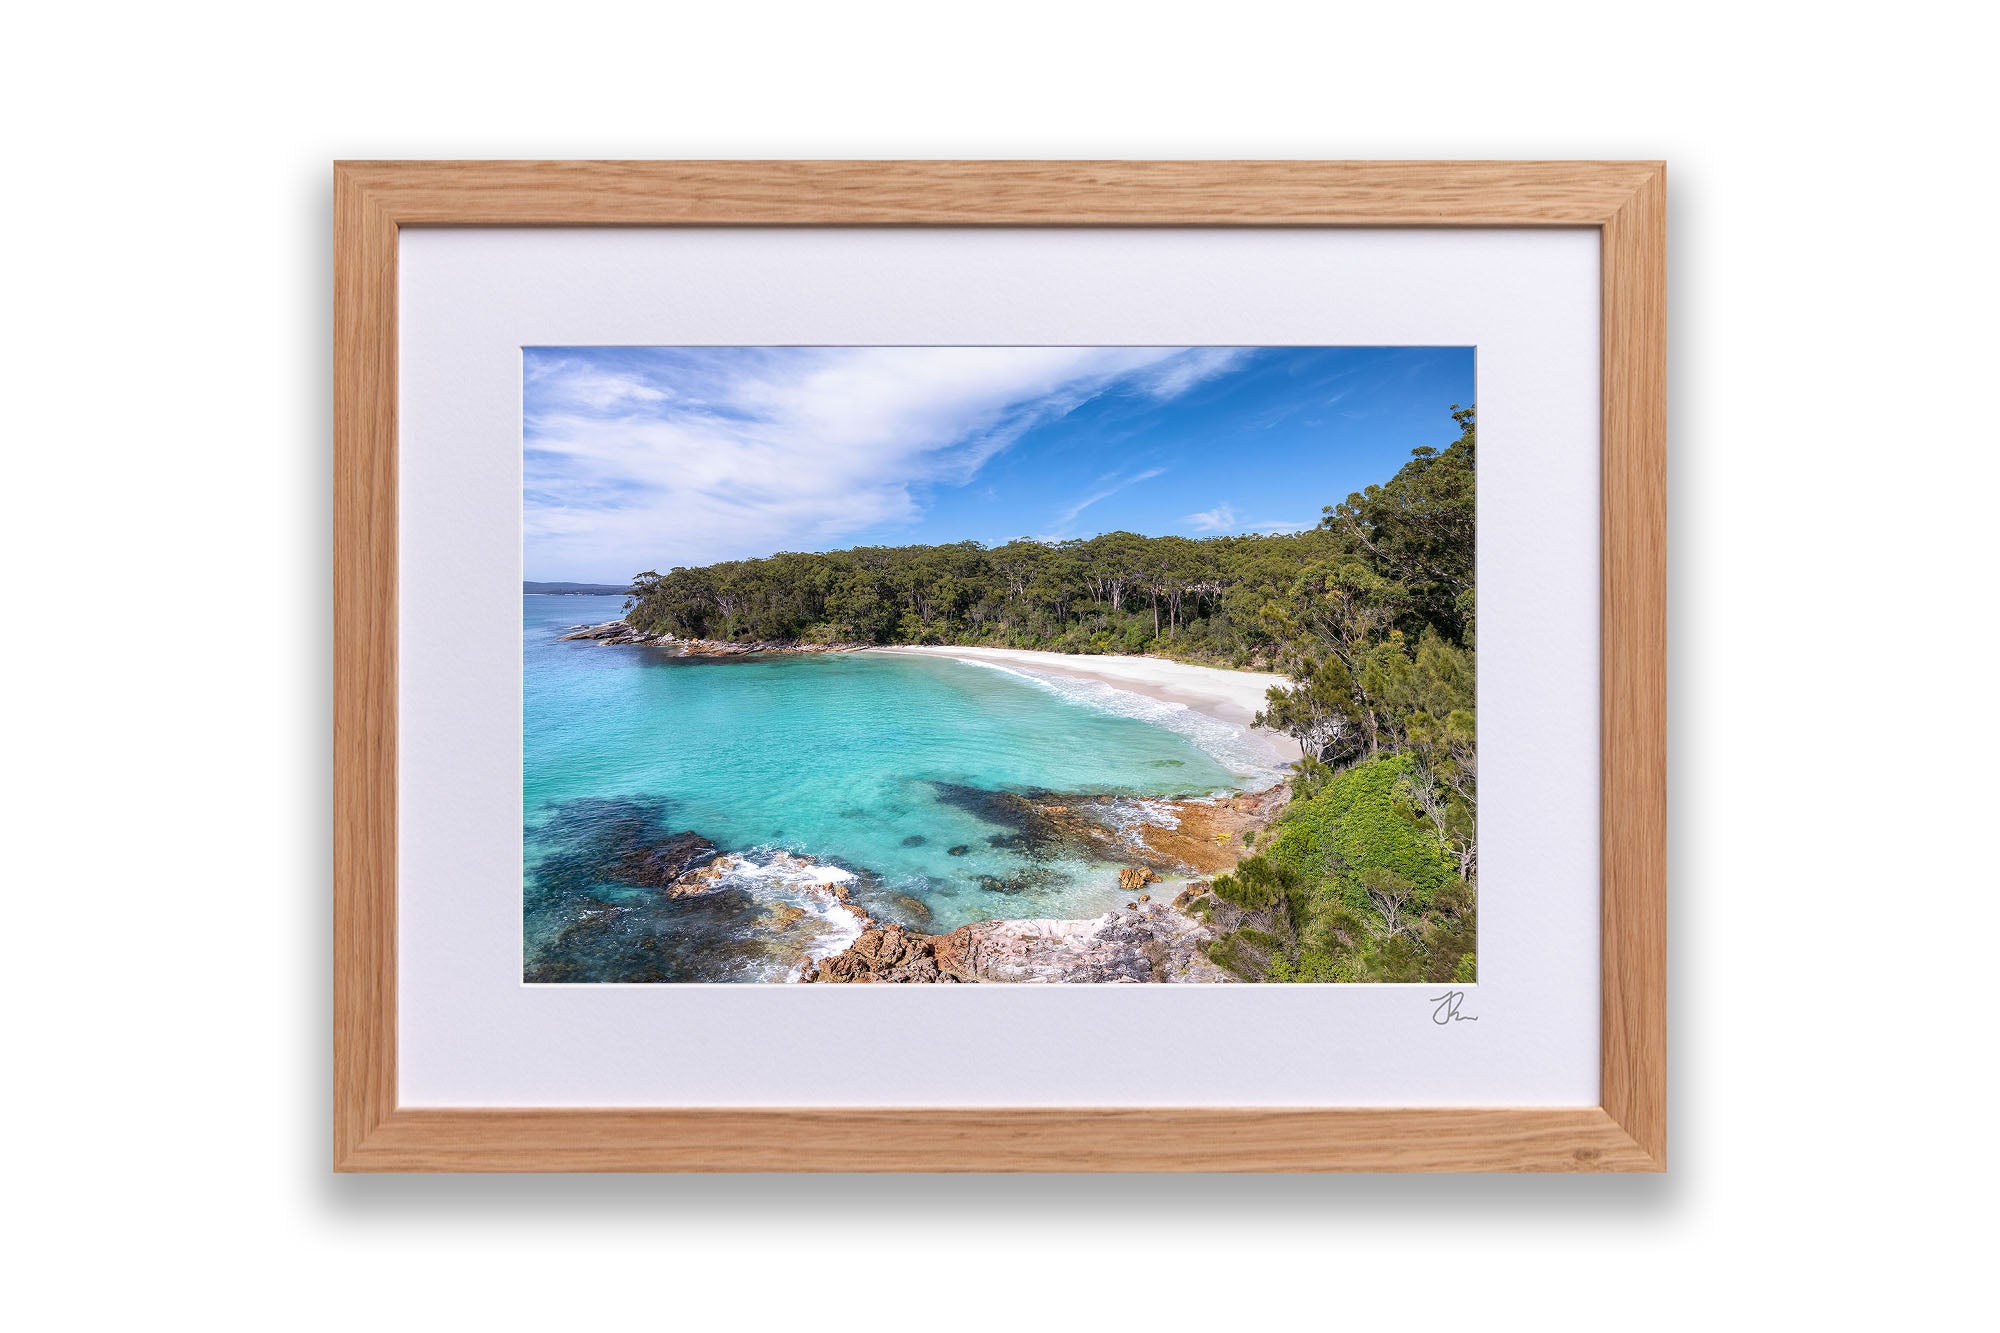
(1231, 746)
(775, 875)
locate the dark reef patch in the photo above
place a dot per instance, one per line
(597, 910)
(662, 863)
(1032, 823)
(708, 938)
(580, 841)
(1043, 826)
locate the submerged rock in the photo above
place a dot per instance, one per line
(782, 916)
(659, 865)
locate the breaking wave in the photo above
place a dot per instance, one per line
(773, 875)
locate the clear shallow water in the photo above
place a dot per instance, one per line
(872, 762)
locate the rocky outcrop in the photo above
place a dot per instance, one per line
(883, 954)
(619, 632)
(1201, 835)
(1150, 942)
(1133, 878)
(611, 631)
(1205, 836)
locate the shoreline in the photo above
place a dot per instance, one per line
(1225, 695)
(1161, 934)
(1221, 694)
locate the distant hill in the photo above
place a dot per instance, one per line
(578, 589)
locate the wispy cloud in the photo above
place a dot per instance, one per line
(1068, 516)
(653, 457)
(1181, 372)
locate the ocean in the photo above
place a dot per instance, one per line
(889, 772)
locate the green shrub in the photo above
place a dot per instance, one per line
(1357, 824)
(1256, 884)
(1225, 954)
(1353, 888)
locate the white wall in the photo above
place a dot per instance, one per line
(166, 535)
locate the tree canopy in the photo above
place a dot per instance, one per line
(1392, 557)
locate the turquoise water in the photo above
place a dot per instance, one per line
(873, 763)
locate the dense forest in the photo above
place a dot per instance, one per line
(1370, 873)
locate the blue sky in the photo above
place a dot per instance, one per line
(650, 457)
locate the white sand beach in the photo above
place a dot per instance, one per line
(1232, 697)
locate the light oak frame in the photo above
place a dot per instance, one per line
(1625, 201)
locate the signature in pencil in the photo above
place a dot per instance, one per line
(1447, 1009)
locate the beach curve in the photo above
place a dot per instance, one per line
(1231, 697)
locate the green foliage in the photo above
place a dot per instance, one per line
(1227, 952)
(1114, 593)
(1258, 939)
(1358, 887)
(1417, 530)
(1309, 778)
(1356, 827)
(1257, 883)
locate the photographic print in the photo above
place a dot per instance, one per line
(999, 664)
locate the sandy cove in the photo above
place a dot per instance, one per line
(1233, 697)
(1147, 940)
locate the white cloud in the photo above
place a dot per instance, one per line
(1222, 518)
(687, 456)
(578, 384)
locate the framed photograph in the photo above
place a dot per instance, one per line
(992, 666)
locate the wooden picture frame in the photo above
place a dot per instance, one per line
(1624, 201)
